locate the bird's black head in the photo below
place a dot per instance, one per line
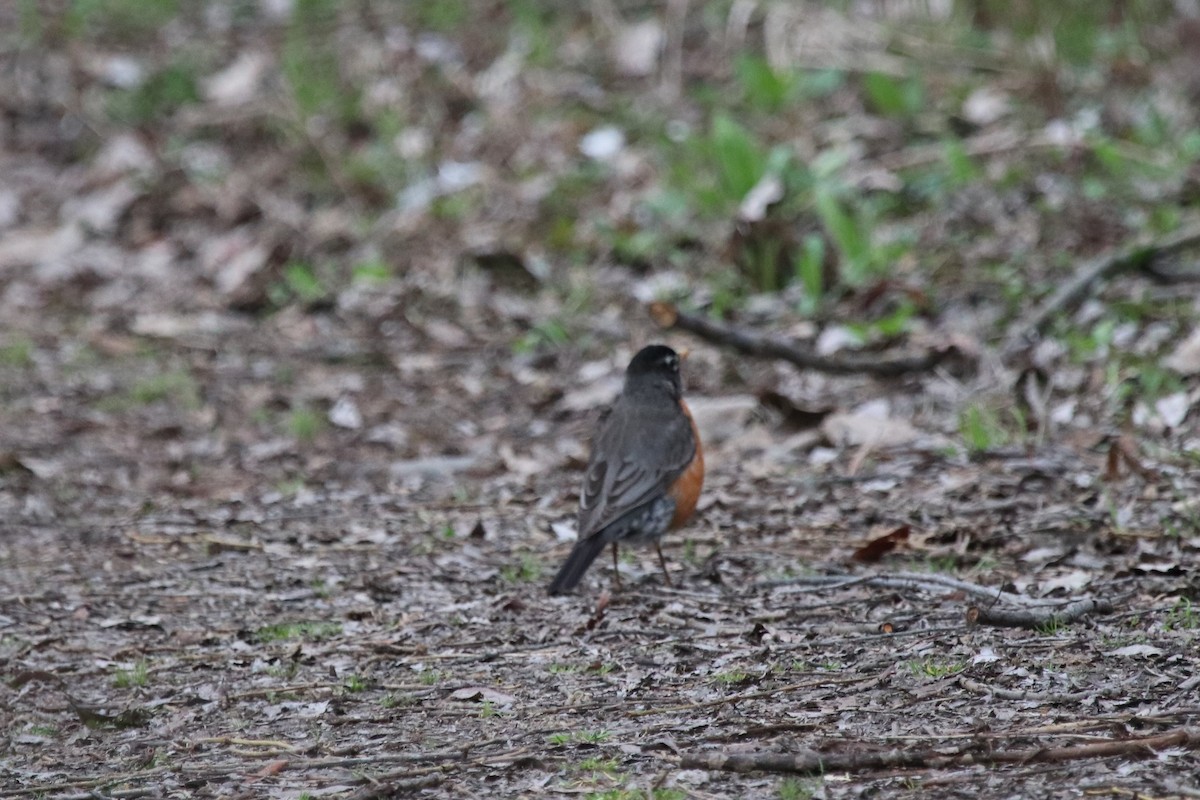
(654, 366)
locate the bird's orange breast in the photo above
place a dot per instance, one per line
(686, 489)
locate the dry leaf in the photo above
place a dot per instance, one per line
(880, 546)
(483, 694)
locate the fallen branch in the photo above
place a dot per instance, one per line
(1070, 294)
(811, 762)
(1003, 609)
(929, 582)
(1034, 697)
(1039, 617)
(668, 316)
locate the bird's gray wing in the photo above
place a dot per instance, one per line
(634, 459)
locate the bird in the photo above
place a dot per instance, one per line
(645, 471)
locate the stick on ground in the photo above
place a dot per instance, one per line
(1071, 293)
(1037, 617)
(811, 762)
(668, 316)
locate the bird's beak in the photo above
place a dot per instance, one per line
(683, 353)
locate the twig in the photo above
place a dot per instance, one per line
(813, 763)
(1038, 697)
(1071, 293)
(235, 741)
(667, 315)
(911, 580)
(1039, 617)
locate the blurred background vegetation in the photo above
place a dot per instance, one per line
(890, 165)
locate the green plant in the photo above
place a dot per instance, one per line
(176, 386)
(284, 670)
(947, 563)
(354, 683)
(887, 327)
(550, 333)
(429, 677)
(305, 423)
(797, 788)
(371, 271)
(527, 570)
(299, 282)
(850, 232)
(17, 351)
(313, 631)
(161, 94)
(809, 269)
(310, 65)
(930, 668)
(765, 88)
(137, 675)
(599, 765)
(440, 15)
(715, 171)
(731, 677)
(980, 429)
(893, 97)
(121, 19)
(1183, 616)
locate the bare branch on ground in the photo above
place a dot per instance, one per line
(1139, 256)
(1038, 617)
(668, 316)
(811, 762)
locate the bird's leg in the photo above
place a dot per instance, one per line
(662, 562)
(616, 573)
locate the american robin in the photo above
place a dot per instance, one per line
(646, 469)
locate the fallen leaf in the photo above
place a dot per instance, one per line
(483, 694)
(1185, 358)
(1137, 650)
(564, 531)
(854, 429)
(1173, 409)
(273, 768)
(764, 194)
(239, 82)
(345, 414)
(985, 105)
(986, 655)
(603, 144)
(880, 546)
(1072, 581)
(636, 48)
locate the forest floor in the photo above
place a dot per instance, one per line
(307, 312)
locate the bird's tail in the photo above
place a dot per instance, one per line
(582, 556)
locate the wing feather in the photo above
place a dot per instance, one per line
(637, 455)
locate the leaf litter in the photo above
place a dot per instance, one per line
(275, 527)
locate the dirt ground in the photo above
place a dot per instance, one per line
(286, 462)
